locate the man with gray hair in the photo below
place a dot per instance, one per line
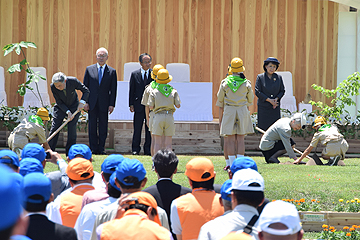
(101, 79)
(276, 140)
(67, 102)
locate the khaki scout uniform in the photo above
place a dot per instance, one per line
(236, 116)
(334, 142)
(24, 133)
(144, 101)
(163, 120)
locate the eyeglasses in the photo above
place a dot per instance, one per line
(101, 56)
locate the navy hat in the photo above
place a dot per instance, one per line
(10, 198)
(130, 167)
(36, 184)
(225, 190)
(112, 181)
(8, 156)
(243, 163)
(33, 150)
(79, 149)
(29, 165)
(111, 162)
(271, 59)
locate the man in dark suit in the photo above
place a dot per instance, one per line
(165, 190)
(138, 80)
(67, 102)
(37, 193)
(101, 80)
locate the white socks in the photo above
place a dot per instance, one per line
(239, 155)
(231, 159)
(227, 162)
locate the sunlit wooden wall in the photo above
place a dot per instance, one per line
(206, 34)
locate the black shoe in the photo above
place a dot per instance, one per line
(147, 154)
(94, 153)
(135, 153)
(102, 153)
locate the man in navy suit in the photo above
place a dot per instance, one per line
(101, 80)
(67, 102)
(165, 190)
(138, 80)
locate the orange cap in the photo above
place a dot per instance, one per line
(148, 200)
(200, 169)
(79, 169)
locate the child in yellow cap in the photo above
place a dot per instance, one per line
(234, 96)
(28, 129)
(162, 100)
(150, 114)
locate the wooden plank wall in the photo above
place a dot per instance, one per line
(206, 34)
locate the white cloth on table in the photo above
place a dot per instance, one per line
(196, 102)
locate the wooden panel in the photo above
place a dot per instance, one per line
(206, 34)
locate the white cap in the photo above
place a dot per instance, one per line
(280, 212)
(247, 180)
(302, 118)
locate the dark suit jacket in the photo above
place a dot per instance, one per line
(136, 89)
(268, 88)
(106, 91)
(41, 228)
(71, 100)
(165, 191)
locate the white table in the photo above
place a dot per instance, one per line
(196, 102)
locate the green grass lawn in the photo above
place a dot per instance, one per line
(323, 183)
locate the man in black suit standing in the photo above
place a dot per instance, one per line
(101, 80)
(165, 190)
(37, 194)
(138, 80)
(64, 89)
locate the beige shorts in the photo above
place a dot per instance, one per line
(236, 120)
(17, 143)
(151, 119)
(163, 124)
(333, 149)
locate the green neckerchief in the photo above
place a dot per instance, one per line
(324, 127)
(165, 89)
(36, 119)
(154, 84)
(234, 82)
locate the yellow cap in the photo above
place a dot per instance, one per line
(163, 76)
(155, 70)
(319, 120)
(43, 114)
(236, 65)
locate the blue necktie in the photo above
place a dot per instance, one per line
(100, 74)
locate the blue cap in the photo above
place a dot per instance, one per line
(111, 162)
(225, 190)
(36, 184)
(271, 59)
(33, 150)
(10, 198)
(29, 165)
(243, 163)
(8, 156)
(79, 149)
(112, 181)
(19, 179)
(130, 167)
(19, 237)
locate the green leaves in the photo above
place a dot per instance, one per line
(17, 46)
(15, 68)
(342, 97)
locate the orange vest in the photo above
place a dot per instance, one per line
(195, 209)
(70, 204)
(135, 224)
